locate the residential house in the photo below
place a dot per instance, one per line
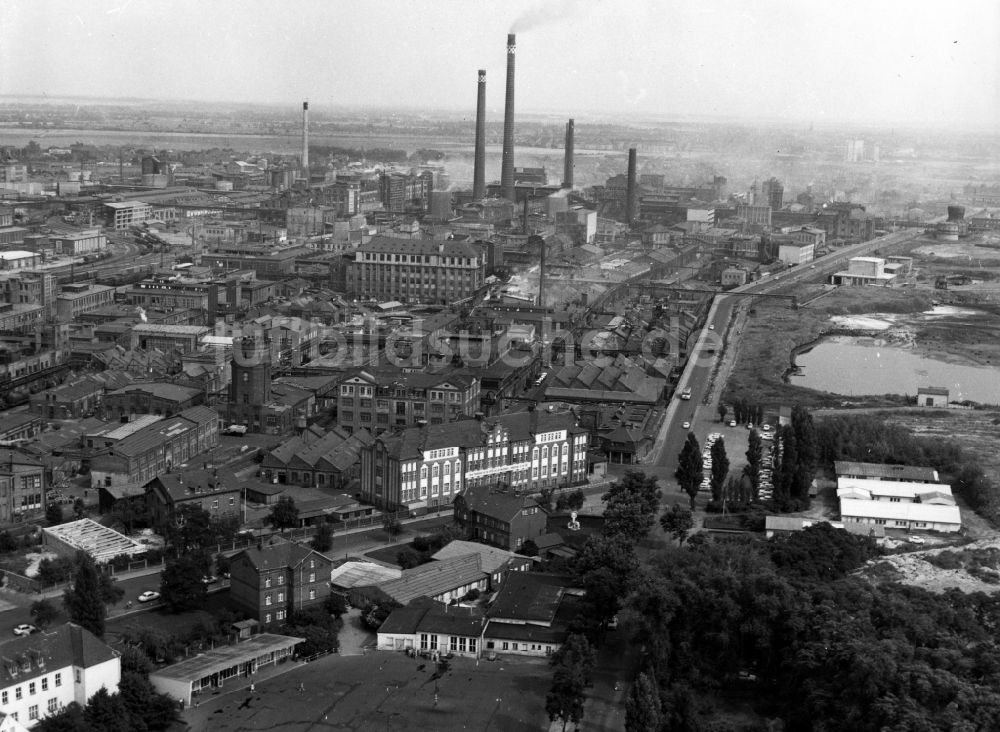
(218, 492)
(268, 582)
(499, 518)
(45, 672)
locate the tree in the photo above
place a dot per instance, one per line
(44, 613)
(755, 456)
(677, 522)
(689, 468)
(391, 525)
(720, 468)
(284, 514)
(632, 504)
(807, 453)
(54, 514)
(147, 710)
(323, 540)
(68, 719)
(107, 712)
(642, 707)
(573, 664)
(109, 590)
(529, 548)
(82, 600)
(180, 583)
(78, 508)
(722, 410)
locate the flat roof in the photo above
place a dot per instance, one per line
(889, 510)
(18, 254)
(916, 473)
(223, 657)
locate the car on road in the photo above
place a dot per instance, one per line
(149, 596)
(732, 423)
(25, 629)
(686, 425)
(912, 540)
(711, 326)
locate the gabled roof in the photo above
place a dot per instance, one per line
(503, 506)
(286, 555)
(432, 617)
(184, 484)
(50, 650)
(491, 558)
(434, 578)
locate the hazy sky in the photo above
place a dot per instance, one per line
(878, 61)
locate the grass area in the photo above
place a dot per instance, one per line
(178, 624)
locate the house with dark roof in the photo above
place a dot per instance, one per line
(500, 518)
(44, 672)
(495, 562)
(72, 400)
(269, 582)
(218, 492)
(429, 628)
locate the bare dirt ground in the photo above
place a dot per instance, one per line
(913, 569)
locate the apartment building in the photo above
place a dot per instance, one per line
(270, 582)
(378, 401)
(401, 193)
(415, 270)
(425, 468)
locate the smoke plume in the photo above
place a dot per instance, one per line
(546, 13)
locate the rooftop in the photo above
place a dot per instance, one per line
(223, 657)
(50, 650)
(885, 471)
(100, 542)
(434, 578)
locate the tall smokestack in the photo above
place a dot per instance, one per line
(479, 172)
(305, 136)
(631, 196)
(541, 272)
(507, 164)
(568, 160)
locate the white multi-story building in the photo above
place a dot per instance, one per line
(42, 673)
(426, 467)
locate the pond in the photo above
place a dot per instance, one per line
(856, 366)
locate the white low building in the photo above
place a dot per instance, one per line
(908, 516)
(896, 491)
(43, 672)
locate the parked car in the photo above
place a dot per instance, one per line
(766, 428)
(912, 539)
(149, 596)
(207, 580)
(732, 423)
(25, 629)
(686, 425)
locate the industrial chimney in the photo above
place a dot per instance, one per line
(568, 159)
(632, 195)
(479, 172)
(305, 137)
(507, 163)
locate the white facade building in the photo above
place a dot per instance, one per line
(42, 673)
